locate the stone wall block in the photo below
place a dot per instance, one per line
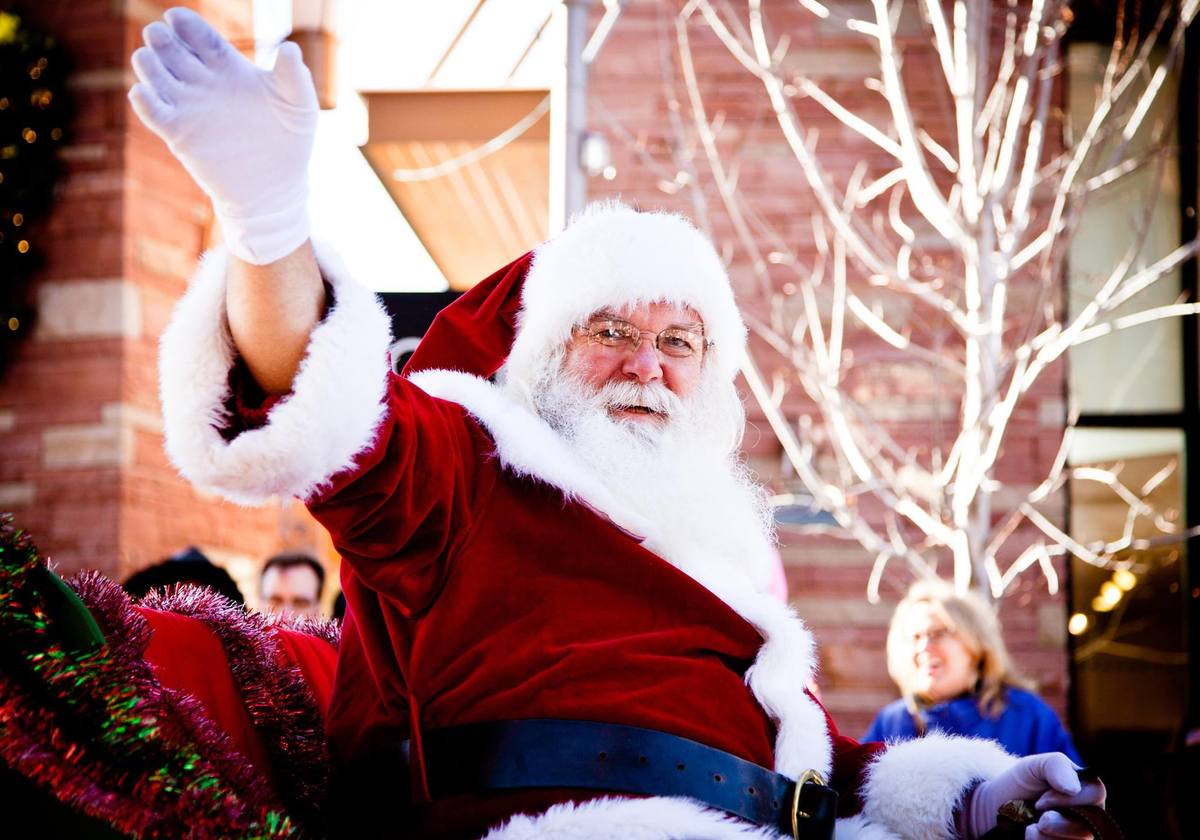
(82, 446)
(88, 309)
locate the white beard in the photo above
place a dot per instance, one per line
(701, 511)
(683, 474)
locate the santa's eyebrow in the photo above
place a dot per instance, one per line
(606, 315)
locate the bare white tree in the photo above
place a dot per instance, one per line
(953, 231)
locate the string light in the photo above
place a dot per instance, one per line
(1101, 606)
(1077, 624)
(36, 107)
(1110, 593)
(1124, 579)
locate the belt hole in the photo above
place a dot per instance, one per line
(603, 756)
(774, 803)
(718, 778)
(681, 766)
(641, 759)
(751, 791)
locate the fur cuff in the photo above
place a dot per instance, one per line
(336, 405)
(915, 786)
(656, 818)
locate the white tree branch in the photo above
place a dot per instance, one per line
(968, 247)
(920, 182)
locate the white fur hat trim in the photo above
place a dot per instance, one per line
(612, 255)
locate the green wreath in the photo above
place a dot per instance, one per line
(34, 112)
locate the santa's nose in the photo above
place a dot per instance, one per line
(643, 364)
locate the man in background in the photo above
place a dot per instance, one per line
(291, 584)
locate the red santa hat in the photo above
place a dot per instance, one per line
(609, 256)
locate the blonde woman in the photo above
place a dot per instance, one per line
(947, 656)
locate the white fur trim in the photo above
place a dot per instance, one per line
(915, 786)
(785, 664)
(612, 255)
(786, 661)
(859, 827)
(336, 404)
(527, 446)
(656, 818)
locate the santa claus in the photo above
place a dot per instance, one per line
(556, 567)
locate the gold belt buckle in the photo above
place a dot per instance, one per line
(805, 777)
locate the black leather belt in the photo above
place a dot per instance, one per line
(541, 753)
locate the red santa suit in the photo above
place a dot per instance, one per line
(491, 576)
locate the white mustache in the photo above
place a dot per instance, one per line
(654, 396)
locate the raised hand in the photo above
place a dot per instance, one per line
(244, 134)
(1050, 779)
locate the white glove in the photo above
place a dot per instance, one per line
(244, 134)
(1050, 778)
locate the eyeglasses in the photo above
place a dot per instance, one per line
(932, 636)
(676, 342)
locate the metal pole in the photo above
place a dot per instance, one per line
(574, 181)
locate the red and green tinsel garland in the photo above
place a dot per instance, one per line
(92, 724)
(279, 702)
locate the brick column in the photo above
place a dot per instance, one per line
(80, 424)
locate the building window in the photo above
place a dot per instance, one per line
(1133, 624)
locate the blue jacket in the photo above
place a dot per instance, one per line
(1025, 727)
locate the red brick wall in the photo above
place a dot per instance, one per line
(80, 424)
(636, 91)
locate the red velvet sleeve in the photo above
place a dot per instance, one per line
(399, 515)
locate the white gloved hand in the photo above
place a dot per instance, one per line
(244, 134)
(1049, 778)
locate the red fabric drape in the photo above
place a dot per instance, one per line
(187, 656)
